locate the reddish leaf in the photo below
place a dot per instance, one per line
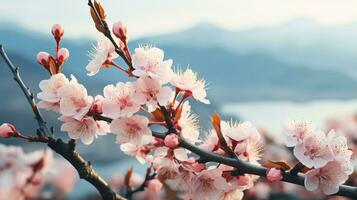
(52, 67)
(101, 13)
(128, 177)
(157, 116)
(279, 165)
(216, 122)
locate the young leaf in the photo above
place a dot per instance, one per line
(98, 16)
(216, 122)
(128, 177)
(279, 165)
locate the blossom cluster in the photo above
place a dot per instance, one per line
(327, 155)
(25, 175)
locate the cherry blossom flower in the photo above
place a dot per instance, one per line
(327, 178)
(140, 152)
(314, 150)
(49, 95)
(166, 161)
(188, 82)
(339, 146)
(74, 100)
(102, 54)
(234, 194)
(7, 130)
(274, 174)
(150, 92)
(209, 184)
(86, 128)
(154, 185)
(132, 129)
(148, 62)
(296, 131)
(188, 124)
(119, 100)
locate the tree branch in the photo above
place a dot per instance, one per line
(66, 150)
(245, 167)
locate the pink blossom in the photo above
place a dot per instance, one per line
(188, 124)
(148, 62)
(120, 30)
(188, 82)
(296, 131)
(86, 128)
(211, 142)
(140, 152)
(119, 100)
(49, 95)
(234, 194)
(62, 55)
(64, 177)
(57, 31)
(339, 146)
(327, 178)
(274, 174)
(43, 58)
(102, 54)
(166, 168)
(97, 106)
(209, 185)
(172, 140)
(154, 185)
(132, 129)
(7, 130)
(166, 161)
(314, 150)
(74, 100)
(150, 92)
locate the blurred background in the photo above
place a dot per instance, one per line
(265, 61)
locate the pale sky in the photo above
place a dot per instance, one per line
(146, 17)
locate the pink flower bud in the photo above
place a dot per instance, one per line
(97, 106)
(274, 174)
(243, 180)
(172, 140)
(37, 179)
(62, 55)
(154, 185)
(7, 130)
(43, 58)
(57, 31)
(120, 31)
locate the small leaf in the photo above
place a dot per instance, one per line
(52, 68)
(279, 165)
(101, 13)
(216, 122)
(178, 113)
(128, 177)
(157, 116)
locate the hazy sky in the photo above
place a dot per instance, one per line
(159, 16)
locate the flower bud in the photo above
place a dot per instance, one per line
(7, 130)
(172, 140)
(274, 174)
(97, 106)
(120, 31)
(243, 180)
(43, 58)
(57, 31)
(198, 167)
(154, 185)
(62, 55)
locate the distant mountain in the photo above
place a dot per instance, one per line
(300, 42)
